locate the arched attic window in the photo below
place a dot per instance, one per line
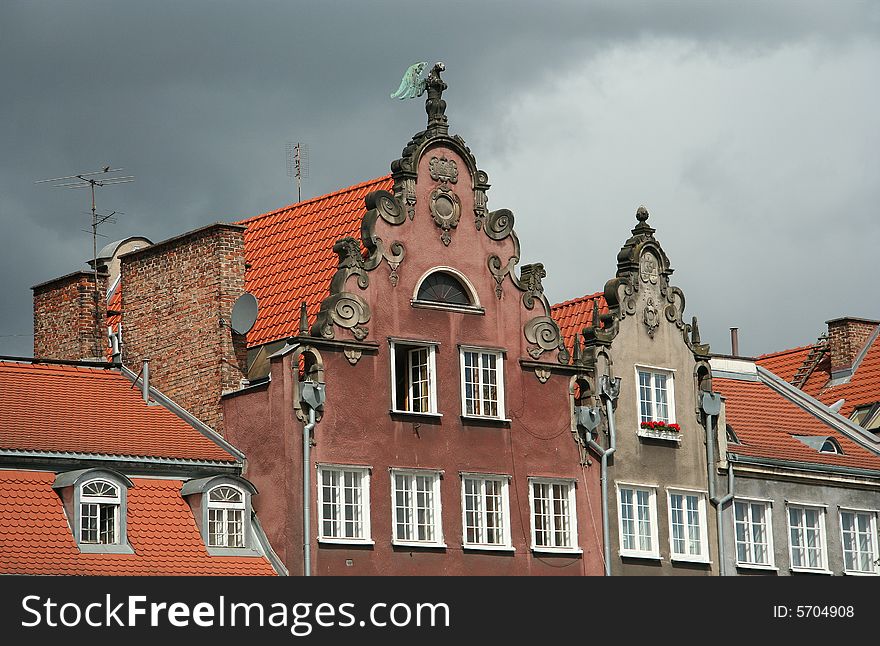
(445, 288)
(831, 446)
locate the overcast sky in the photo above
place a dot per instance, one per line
(750, 131)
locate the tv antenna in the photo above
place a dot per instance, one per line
(106, 177)
(297, 164)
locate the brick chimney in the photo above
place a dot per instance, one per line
(65, 325)
(846, 337)
(177, 299)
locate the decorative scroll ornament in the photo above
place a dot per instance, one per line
(481, 185)
(544, 335)
(443, 170)
(498, 226)
(530, 281)
(346, 310)
(651, 318)
(382, 204)
(446, 211)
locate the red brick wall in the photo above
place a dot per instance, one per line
(847, 336)
(174, 296)
(64, 318)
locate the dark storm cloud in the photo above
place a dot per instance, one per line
(197, 99)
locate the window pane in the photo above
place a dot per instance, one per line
(661, 411)
(645, 401)
(419, 381)
(627, 515)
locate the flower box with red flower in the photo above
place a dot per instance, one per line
(660, 430)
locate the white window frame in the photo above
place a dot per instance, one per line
(768, 531)
(702, 525)
(364, 488)
(115, 502)
(823, 537)
(226, 510)
(574, 546)
(505, 545)
(670, 393)
(499, 381)
(654, 552)
(436, 522)
(872, 528)
(398, 345)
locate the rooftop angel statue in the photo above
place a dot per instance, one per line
(411, 85)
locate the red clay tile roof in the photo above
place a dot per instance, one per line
(48, 407)
(114, 307)
(784, 363)
(765, 421)
(36, 539)
(290, 252)
(862, 388)
(576, 314)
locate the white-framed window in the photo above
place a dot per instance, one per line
(806, 538)
(415, 499)
(482, 383)
(343, 504)
(688, 536)
(753, 532)
(485, 511)
(858, 530)
(226, 517)
(656, 395)
(554, 518)
(413, 377)
(100, 504)
(637, 520)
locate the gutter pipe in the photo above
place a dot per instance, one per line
(711, 406)
(610, 389)
(307, 520)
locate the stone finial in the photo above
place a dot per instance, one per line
(303, 319)
(435, 106)
(597, 323)
(642, 214)
(695, 332)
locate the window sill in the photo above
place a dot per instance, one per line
(804, 570)
(116, 548)
(692, 559)
(756, 566)
(845, 573)
(446, 307)
(346, 541)
(669, 436)
(487, 548)
(233, 551)
(640, 555)
(440, 546)
(562, 551)
(414, 414)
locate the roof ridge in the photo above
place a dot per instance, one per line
(779, 353)
(313, 200)
(579, 299)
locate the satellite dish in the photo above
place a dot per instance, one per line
(244, 313)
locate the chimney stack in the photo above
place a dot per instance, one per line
(847, 337)
(734, 341)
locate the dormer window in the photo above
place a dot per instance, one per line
(100, 502)
(226, 517)
(222, 509)
(447, 289)
(831, 446)
(95, 502)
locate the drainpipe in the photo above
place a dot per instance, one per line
(710, 403)
(312, 395)
(589, 420)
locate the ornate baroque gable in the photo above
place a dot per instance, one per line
(346, 309)
(643, 267)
